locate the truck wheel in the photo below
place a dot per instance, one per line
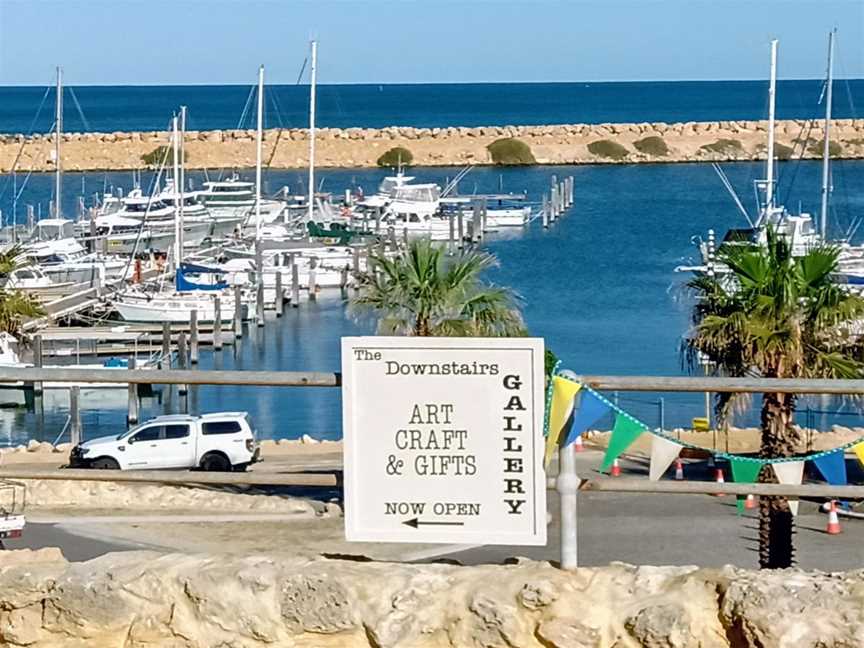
(214, 462)
(105, 463)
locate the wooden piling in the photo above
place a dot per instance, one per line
(476, 230)
(132, 414)
(377, 220)
(37, 362)
(259, 300)
(166, 346)
(484, 216)
(278, 301)
(181, 359)
(355, 261)
(553, 203)
(75, 415)
(545, 211)
(238, 313)
(343, 281)
(295, 283)
(193, 336)
(450, 243)
(312, 286)
(461, 229)
(217, 323)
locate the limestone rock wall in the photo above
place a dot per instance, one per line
(361, 147)
(144, 599)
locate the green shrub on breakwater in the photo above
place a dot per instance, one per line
(608, 149)
(511, 152)
(155, 157)
(724, 146)
(816, 147)
(397, 156)
(652, 145)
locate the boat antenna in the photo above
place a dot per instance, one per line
(826, 150)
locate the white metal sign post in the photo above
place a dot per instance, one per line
(444, 440)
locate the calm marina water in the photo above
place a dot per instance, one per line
(598, 286)
(125, 108)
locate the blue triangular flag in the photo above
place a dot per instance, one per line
(590, 409)
(833, 467)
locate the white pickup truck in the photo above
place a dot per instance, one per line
(221, 441)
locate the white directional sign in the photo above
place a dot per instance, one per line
(444, 440)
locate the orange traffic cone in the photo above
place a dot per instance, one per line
(577, 444)
(616, 469)
(750, 502)
(833, 527)
(719, 480)
(679, 470)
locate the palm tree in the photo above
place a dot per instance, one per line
(15, 305)
(422, 291)
(776, 316)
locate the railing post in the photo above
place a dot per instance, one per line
(181, 359)
(132, 415)
(567, 486)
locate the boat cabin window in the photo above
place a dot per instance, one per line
(25, 274)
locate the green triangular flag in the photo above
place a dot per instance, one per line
(625, 432)
(744, 472)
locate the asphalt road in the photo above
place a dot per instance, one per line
(639, 529)
(74, 547)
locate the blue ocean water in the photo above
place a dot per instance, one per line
(125, 108)
(599, 285)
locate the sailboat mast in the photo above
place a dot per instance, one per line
(826, 151)
(178, 188)
(175, 143)
(312, 82)
(259, 152)
(772, 91)
(58, 133)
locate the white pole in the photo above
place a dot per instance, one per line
(259, 153)
(567, 485)
(175, 144)
(58, 133)
(772, 87)
(826, 151)
(312, 82)
(178, 190)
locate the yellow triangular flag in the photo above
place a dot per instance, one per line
(563, 391)
(858, 449)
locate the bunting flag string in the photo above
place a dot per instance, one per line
(744, 472)
(790, 472)
(568, 401)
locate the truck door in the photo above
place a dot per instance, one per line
(177, 447)
(141, 449)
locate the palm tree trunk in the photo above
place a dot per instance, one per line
(776, 523)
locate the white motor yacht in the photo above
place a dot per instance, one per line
(222, 224)
(159, 216)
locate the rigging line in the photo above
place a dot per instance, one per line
(796, 166)
(78, 106)
(24, 141)
(302, 70)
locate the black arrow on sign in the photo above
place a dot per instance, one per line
(414, 522)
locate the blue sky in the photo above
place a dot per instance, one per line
(119, 42)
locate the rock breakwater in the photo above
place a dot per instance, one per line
(453, 146)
